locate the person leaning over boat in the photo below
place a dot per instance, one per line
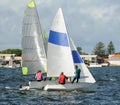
(61, 79)
(39, 76)
(77, 74)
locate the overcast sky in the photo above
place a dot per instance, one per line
(88, 21)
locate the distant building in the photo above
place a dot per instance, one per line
(114, 60)
(6, 58)
(88, 59)
(94, 61)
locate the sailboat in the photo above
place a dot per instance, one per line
(62, 56)
(10, 65)
(33, 51)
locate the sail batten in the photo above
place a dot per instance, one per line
(33, 53)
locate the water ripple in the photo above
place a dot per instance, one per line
(107, 93)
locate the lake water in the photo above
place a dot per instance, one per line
(107, 93)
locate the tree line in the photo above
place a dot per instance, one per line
(99, 50)
(18, 52)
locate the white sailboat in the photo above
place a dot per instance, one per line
(59, 56)
(33, 51)
(60, 59)
(10, 64)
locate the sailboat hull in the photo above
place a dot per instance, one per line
(40, 85)
(86, 87)
(53, 85)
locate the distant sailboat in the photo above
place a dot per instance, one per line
(33, 51)
(10, 65)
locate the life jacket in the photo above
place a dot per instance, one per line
(39, 76)
(61, 79)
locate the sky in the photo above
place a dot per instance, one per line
(88, 21)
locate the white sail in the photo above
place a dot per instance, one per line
(85, 75)
(59, 56)
(33, 51)
(10, 63)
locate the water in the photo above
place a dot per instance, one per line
(107, 93)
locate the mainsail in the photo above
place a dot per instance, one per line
(85, 74)
(59, 56)
(33, 51)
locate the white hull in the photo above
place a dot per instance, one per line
(87, 87)
(53, 85)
